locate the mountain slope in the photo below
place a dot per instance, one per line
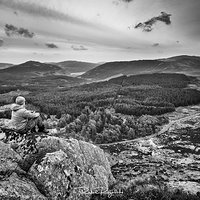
(31, 67)
(76, 66)
(5, 65)
(189, 65)
(34, 68)
(38, 75)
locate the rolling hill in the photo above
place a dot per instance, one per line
(189, 65)
(5, 65)
(70, 68)
(31, 67)
(36, 74)
(73, 67)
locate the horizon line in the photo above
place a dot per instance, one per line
(49, 62)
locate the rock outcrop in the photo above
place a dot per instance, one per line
(59, 169)
(9, 160)
(14, 183)
(70, 168)
(15, 187)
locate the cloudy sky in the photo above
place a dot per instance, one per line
(97, 30)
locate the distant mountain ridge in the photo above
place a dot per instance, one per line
(189, 65)
(31, 66)
(60, 68)
(72, 66)
(5, 65)
(36, 74)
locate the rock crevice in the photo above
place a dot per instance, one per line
(59, 169)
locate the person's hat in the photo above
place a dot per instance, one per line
(20, 100)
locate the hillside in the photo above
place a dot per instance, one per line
(36, 76)
(75, 66)
(69, 68)
(135, 95)
(169, 157)
(31, 67)
(5, 65)
(180, 64)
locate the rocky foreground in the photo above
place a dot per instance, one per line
(54, 168)
(171, 158)
(58, 169)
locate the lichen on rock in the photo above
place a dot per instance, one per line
(70, 169)
(59, 169)
(16, 187)
(9, 160)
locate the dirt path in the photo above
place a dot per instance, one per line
(164, 129)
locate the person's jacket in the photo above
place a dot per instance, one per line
(20, 116)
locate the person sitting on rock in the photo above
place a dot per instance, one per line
(25, 120)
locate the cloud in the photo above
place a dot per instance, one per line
(36, 44)
(79, 48)
(116, 2)
(15, 12)
(11, 30)
(30, 7)
(1, 42)
(156, 45)
(51, 45)
(148, 25)
(127, 1)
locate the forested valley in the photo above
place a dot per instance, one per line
(126, 107)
